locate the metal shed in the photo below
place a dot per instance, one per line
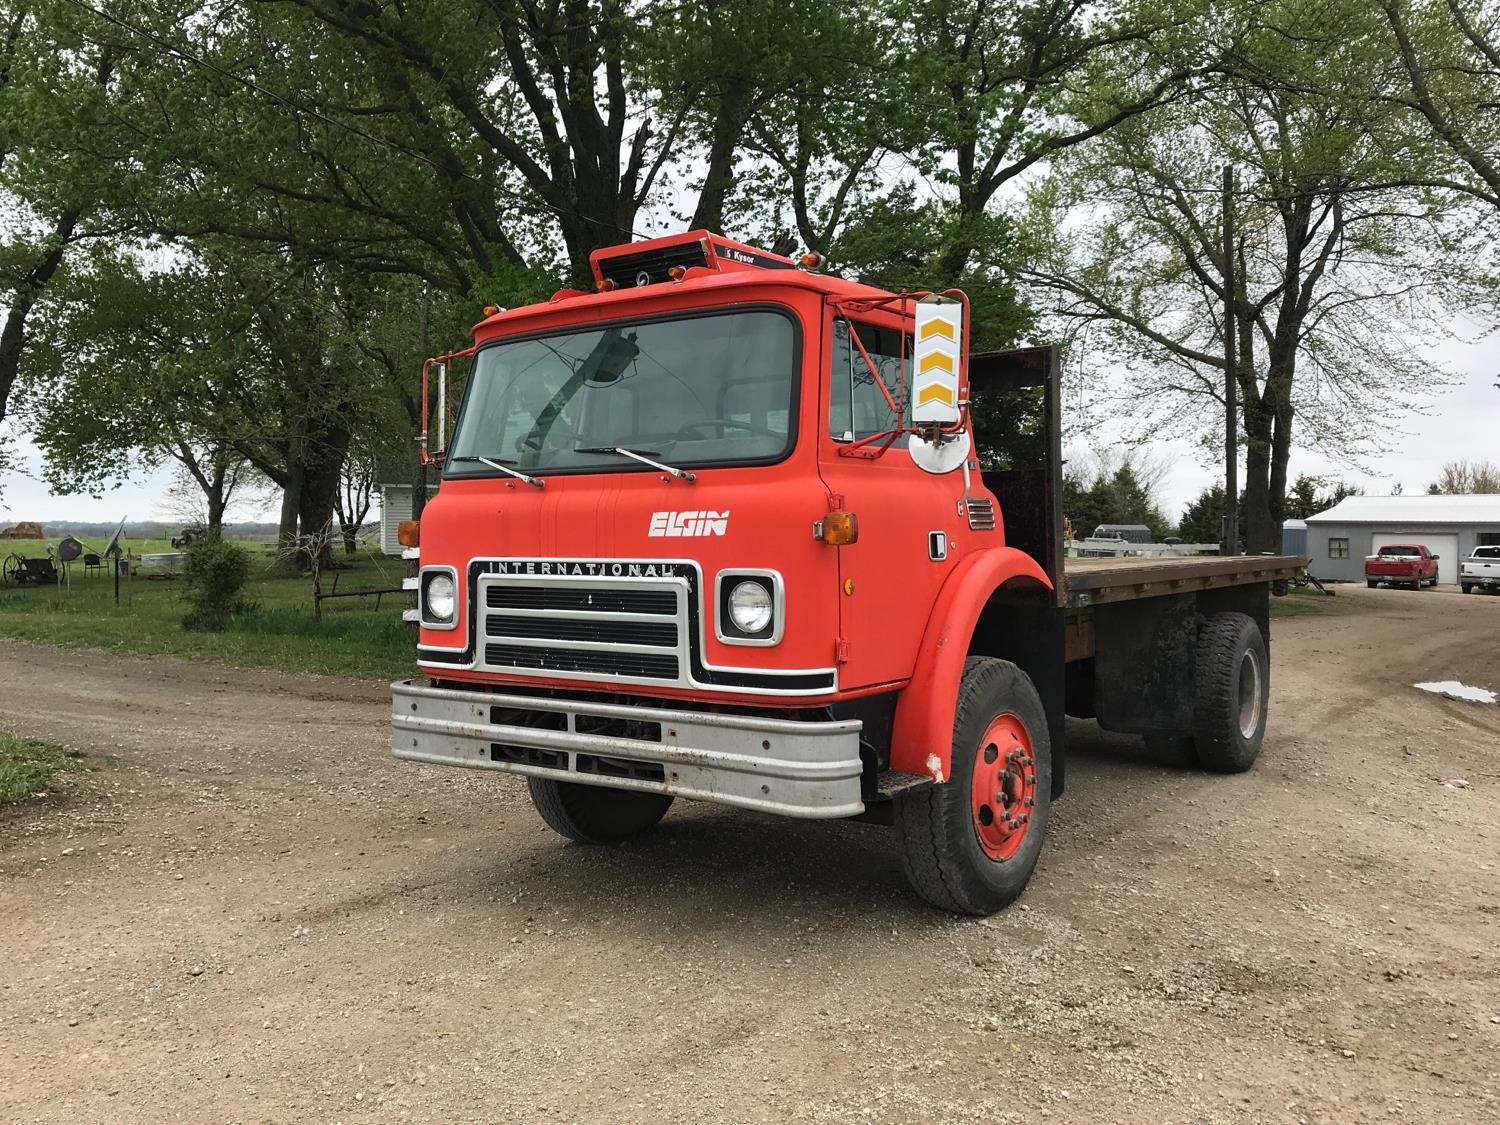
(1449, 526)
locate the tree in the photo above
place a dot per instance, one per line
(1449, 54)
(1464, 478)
(136, 369)
(1335, 271)
(1110, 495)
(1002, 88)
(1310, 495)
(60, 85)
(1203, 520)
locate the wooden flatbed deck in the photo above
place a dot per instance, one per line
(1099, 581)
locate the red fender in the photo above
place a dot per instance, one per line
(922, 738)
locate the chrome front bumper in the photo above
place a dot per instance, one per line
(802, 769)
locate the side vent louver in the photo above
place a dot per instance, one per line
(981, 513)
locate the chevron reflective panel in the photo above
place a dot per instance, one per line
(940, 334)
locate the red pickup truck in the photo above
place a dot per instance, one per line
(1403, 564)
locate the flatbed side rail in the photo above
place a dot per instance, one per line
(1090, 582)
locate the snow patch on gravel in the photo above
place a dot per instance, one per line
(1455, 690)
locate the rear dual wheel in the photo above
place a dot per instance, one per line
(970, 845)
(1231, 692)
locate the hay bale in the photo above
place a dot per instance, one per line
(26, 529)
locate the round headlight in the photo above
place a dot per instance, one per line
(750, 607)
(441, 598)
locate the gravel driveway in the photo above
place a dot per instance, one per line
(261, 916)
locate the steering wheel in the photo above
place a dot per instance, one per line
(704, 423)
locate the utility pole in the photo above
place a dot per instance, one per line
(1231, 422)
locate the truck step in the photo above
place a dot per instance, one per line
(892, 783)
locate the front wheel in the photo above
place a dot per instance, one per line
(1466, 587)
(592, 814)
(970, 845)
(1372, 582)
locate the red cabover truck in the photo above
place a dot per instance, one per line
(718, 531)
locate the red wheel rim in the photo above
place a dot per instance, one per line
(1002, 791)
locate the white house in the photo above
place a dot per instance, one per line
(395, 506)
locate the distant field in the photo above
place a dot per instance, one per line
(276, 631)
(136, 547)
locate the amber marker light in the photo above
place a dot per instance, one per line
(491, 310)
(840, 529)
(677, 273)
(812, 260)
(409, 533)
(605, 285)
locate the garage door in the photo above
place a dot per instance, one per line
(1445, 547)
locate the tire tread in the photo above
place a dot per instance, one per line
(934, 830)
(590, 814)
(1216, 711)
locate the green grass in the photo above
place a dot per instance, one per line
(1299, 602)
(28, 766)
(353, 639)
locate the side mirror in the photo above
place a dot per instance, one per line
(435, 371)
(939, 366)
(1436, 557)
(433, 445)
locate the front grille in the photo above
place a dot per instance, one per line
(574, 599)
(662, 634)
(586, 626)
(638, 664)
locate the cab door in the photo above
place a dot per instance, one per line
(910, 533)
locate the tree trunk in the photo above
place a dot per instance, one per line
(22, 299)
(216, 506)
(286, 531)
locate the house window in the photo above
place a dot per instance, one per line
(1488, 539)
(1338, 548)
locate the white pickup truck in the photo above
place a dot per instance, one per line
(1481, 569)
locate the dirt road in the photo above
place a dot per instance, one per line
(264, 917)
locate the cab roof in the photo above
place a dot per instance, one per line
(692, 262)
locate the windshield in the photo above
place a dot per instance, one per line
(698, 390)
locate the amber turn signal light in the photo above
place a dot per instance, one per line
(605, 285)
(677, 273)
(840, 529)
(409, 533)
(491, 310)
(812, 260)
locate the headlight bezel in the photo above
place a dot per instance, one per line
(725, 628)
(429, 619)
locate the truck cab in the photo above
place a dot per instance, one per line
(716, 530)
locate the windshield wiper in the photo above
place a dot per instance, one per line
(637, 455)
(535, 482)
